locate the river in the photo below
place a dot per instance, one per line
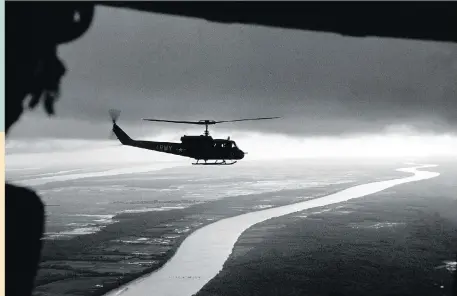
(202, 255)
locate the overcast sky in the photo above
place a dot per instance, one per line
(150, 65)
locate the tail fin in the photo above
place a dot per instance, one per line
(120, 134)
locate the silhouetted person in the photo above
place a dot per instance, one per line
(33, 32)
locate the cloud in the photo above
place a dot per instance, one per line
(66, 154)
(150, 65)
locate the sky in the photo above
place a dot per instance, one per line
(324, 86)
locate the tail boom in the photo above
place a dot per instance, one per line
(165, 147)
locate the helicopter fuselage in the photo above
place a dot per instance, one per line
(197, 147)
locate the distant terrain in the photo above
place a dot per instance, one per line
(401, 241)
(142, 235)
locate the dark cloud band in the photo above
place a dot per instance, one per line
(321, 84)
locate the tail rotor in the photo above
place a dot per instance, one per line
(114, 114)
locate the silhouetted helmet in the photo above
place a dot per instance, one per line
(33, 32)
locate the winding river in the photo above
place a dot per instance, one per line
(201, 255)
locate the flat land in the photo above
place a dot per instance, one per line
(395, 242)
(140, 243)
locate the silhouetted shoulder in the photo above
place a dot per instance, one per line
(18, 195)
(25, 218)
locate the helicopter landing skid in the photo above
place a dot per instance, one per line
(214, 163)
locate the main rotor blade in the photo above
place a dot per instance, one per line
(207, 122)
(175, 121)
(246, 119)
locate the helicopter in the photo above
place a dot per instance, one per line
(201, 147)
